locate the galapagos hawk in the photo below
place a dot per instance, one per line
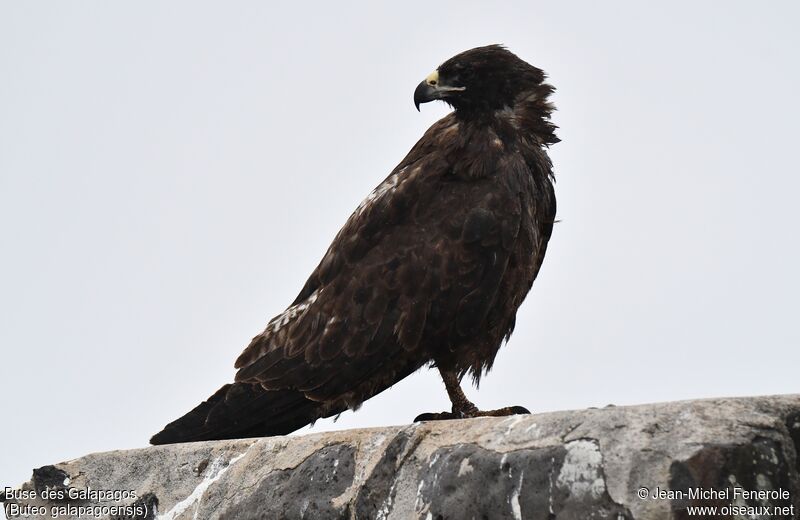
(430, 268)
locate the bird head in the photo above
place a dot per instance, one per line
(487, 78)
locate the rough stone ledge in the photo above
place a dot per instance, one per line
(581, 464)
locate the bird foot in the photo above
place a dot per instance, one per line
(472, 412)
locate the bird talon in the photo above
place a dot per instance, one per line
(432, 416)
(471, 413)
(503, 412)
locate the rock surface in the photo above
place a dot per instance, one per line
(735, 453)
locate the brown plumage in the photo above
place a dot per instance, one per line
(429, 269)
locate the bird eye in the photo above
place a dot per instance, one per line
(433, 82)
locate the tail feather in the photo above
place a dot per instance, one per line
(241, 410)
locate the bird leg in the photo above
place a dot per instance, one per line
(463, 407)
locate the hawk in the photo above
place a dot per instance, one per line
(430, 268)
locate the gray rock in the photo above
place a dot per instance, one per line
(586, 464)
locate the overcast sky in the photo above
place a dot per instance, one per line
(171, 172)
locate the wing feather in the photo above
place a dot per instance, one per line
(417, 266)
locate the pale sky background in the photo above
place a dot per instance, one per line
(171, 172)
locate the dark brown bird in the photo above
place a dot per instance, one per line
(429, 270)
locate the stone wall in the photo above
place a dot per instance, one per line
(739, 454)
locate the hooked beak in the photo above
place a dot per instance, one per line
(431, 89)
(424, 93)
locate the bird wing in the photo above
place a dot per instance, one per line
(419, 261)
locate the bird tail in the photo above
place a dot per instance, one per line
(241, 410)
